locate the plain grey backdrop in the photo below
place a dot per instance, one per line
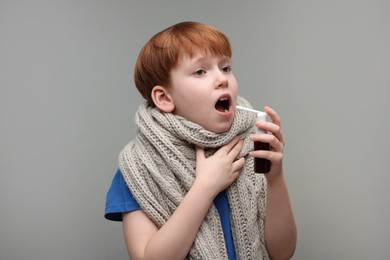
(67, 104)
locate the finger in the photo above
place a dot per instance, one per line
(276, 128)
(236, 174)
(270, 128)
(273, 115)
(235, 151)
(229, 146)
(237, 165)
(199, 152)
(275, 157)
(272, 140)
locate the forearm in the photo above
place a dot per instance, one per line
(280, 227)
(175, 238)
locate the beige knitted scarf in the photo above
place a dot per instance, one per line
(159, 168)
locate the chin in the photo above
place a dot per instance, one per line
(221, 129)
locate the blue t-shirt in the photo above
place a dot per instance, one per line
(120, 200)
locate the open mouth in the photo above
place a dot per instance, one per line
(223, 104)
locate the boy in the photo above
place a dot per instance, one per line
(186, 187)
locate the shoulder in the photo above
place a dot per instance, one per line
(119, 199)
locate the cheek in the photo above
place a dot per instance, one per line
(234, 82)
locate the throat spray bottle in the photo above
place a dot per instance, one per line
(261, 165)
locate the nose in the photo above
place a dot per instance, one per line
(221, 80)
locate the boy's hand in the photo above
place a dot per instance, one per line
(275, 139)
(220, 170)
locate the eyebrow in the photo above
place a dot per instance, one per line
(202, 58)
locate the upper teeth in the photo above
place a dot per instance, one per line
(222, 100)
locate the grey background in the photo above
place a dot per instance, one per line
(67, 104)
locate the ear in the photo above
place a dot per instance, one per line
(162, 99)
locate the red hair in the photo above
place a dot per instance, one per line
(163, 51)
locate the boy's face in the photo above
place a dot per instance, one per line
(204, 91)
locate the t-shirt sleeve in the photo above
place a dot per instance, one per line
(119, 199)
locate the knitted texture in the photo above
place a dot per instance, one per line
(159, 168)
